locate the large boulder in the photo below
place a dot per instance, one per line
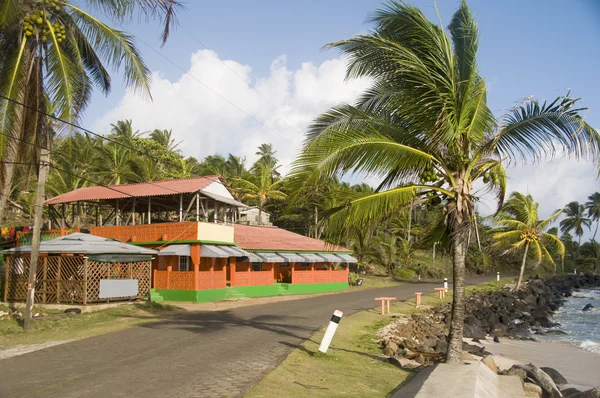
(555, 375)
(593, 393)
(541, 379)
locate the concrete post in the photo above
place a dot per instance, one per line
(333, 324)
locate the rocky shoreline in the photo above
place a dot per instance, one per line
(421, 339)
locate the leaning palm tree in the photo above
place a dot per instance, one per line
(575, 220)
(262, 189)
(519, 228)
(592, 206)
(53, 53)
(424, 128)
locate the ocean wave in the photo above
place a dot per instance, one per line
(591, 346)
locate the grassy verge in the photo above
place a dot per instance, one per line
(353, 365)
(59, 326)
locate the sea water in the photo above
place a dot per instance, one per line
(582, 327)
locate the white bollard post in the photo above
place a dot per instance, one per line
(333, 324)
(498, 276)
(419, 276)
(446, 283)
(574, 272)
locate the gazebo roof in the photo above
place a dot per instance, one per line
(156, 188)
(80, 243)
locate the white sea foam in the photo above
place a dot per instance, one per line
(591, 346)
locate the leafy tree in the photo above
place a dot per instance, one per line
(592, 206)
(261, 189)
(165, 138)
(590, 255)
(519, 228)
(575, 219)
(385, 251)
(424, 127)
(52, 55)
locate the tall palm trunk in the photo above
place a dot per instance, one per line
(523, 266)
(596, 230)
(455, 343)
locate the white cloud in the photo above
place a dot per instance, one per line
(208, 124)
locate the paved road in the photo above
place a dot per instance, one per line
(193, 354)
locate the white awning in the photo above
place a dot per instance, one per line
(332, 258)
(292, 257)
(347, 258)
(271, 258)
(175, 250)
(312, 258)
(234, 251)
(250, 258)
(213, 252)
(223, 199)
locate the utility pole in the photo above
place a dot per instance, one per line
(35, 241)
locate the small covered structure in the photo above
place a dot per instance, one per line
(80, 268)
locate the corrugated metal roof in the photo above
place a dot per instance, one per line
(80, 243)
(277, 239)
(157, 188)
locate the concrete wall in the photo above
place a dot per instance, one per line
(215, 232)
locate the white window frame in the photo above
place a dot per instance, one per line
(185, 263)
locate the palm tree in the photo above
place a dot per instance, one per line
(263, 189)
(114, 164)
(519, 228)
(52, 55)
(575, 219)
(165, 138)
(590, 252)
(267, 156)
(384, 251)
(593, 210)
(425, 117)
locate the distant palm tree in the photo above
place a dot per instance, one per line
(384, 251)
(267, 156)
(165, 138)
(593, 210)
(590, 253)
(262, 189)
(575, 219)
(519, 228)
(424, 128)
(114, 164)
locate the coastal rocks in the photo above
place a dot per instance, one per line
(532, 390)
(589, 307)
(488, 360)
(542, 379)
(555, 375)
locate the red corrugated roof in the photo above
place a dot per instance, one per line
(277, 239)
(157, 188)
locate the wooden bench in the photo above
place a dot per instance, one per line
(442, 291)
(383, 301)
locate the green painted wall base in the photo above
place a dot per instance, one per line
(277, 289)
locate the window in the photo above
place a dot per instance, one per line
(256, 266)
(184, 263)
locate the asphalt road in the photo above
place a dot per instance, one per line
(192, 354)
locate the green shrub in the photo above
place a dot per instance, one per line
(404, 273)
(352, 278)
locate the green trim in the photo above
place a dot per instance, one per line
(295, 251)
(162, 242)
(276, 289)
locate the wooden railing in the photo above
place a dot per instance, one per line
(319, 276)
(184, 280)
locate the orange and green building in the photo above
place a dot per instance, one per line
(203, 253)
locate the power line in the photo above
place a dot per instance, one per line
(213, 90)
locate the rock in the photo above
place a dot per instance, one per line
(496, 339)
(589, 307)
(488, 360)
(541, 379)
(532, 390)
(570, 392)
(390, 349)
(516, 371)
(498, 330)
(467, 357)
(473, 331)
(420, 359)
(472, 349)
(593, 393)
(404, 363)
(555, 375)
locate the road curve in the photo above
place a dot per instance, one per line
(190, 354)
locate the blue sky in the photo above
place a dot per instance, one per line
(528, 47)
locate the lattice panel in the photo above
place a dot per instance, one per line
(100, 270)
(149, 232)
(253, 278)
(160, 279)
(142, 271)
(181, 280)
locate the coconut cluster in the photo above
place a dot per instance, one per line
(428, 175)
(37, 23)
(487, 177)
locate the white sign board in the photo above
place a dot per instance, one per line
(110, 288)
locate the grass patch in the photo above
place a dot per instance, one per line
(59, 326)
(353, 365)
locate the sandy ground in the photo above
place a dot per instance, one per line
(25, 348)
(579, 367)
